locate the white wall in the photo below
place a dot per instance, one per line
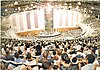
(41, 20)
(67, 18)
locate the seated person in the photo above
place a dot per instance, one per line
(19, 50)
(46, 66)
(55, 57)
(9, 56)
(29, 57)
(89, 65)
(97, 63)
(74, 65)
(2, 56)
(17, 59)
(65, 62)
(45, 57)
(2, 67)
(38, 49)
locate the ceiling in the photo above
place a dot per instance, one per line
(9, 7)
(50, 0)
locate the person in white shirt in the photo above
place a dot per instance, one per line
(89, 65)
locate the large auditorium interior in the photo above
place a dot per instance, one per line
(50, 35)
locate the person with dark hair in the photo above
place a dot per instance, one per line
(57, 46)
(74, 60)
(2, 66)
(65, 50)
(65, 62)
(28, 44)
(38, 49)
(64, 56)
(19, 50)
(45, 56)
(90, 60)
(46, 65)
(97, 64)
(54, 52)
(29, 57)
(59, 53)
(11, 66)
(74, 65)
(17, 59)
(9, 56)
(2, 56)
(55, 57)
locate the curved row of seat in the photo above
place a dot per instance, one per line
(89, 27)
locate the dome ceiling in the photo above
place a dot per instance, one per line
(9, 7)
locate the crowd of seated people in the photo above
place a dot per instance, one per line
(89, 20)
(76, 54)
(3, 34)
(94, 23)
(73, 33)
